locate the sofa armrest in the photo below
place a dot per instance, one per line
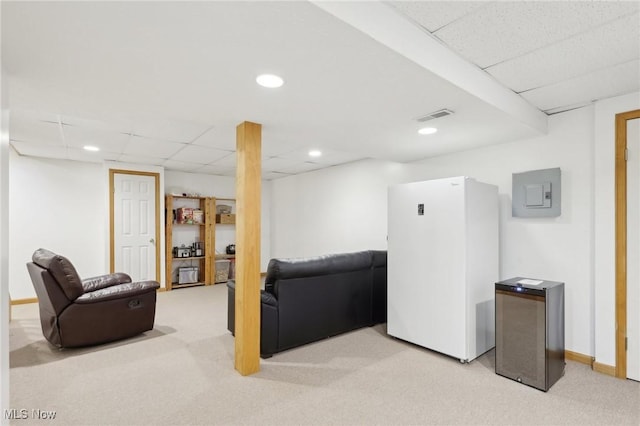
(118, 291)
(104, 281)
(268, 324)
(267, 298)
(231, 306)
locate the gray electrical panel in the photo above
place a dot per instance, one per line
(536, 193)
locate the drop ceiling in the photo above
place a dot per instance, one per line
(166, 83)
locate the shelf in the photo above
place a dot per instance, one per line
(188, 197)
(226, 219)
(224, 256)
(176, 285)
(204, 232)
(201, 230)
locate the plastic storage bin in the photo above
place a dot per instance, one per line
(222, 270)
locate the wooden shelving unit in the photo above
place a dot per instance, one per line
(221, 220)
(203, 232)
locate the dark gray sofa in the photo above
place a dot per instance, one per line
(308, 299)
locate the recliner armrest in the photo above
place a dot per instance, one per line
(118, 291)
(104, 281)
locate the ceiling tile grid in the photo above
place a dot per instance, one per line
(78, 137)
(170, 130)
(433, 15)
(139, 145)
(614, 43)
(505, 30)
(199, 154)
(39, 150)
(213, 169)
(353, 96)
(617, 80)
(141, 159)
(36, 131)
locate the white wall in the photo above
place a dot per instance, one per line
(4, 245)
(345, 208)
(604, 222)
(558, 249)
(58, 205)
(52, 207)
(333, 210)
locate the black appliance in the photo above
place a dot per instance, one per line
(530, 331)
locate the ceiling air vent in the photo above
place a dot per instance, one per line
(436, 114)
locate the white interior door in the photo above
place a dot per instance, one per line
(134, 225)
(633, 249)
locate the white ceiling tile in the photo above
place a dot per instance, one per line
(569, 107)
(80, 154)
(505, 30)
(141, 159)
(218, 137)
(274, 175)
(181, 166)
(274, 144)
(111, 126)
(157, 148)
(199, 154)
(596, 85)
(111, 141)
(278, 164)
(611, 44)
(171, 130)
(21, 116)
(302, 167)
(433, 15)
(215, 169)
(328, 157)
(39, 150)
(228, 161)
(350, 93)
(35, 131)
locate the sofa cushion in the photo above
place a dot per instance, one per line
(62, 270)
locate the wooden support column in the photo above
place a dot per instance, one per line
(248, 191)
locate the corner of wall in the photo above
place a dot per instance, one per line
(4, 247)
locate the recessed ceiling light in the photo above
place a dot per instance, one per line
(315, 153)
(269, 80)
(91, 148)
(427, 130)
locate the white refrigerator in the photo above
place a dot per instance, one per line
(443, 265)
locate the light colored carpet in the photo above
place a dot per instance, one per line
(182, 373)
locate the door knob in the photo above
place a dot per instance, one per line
(152, 241)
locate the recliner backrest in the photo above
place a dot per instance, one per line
(62, 271)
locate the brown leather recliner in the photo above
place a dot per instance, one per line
(76, 312)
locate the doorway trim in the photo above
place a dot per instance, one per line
(156, 176)
(621, 239)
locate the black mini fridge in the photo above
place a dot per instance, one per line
(530, 331)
